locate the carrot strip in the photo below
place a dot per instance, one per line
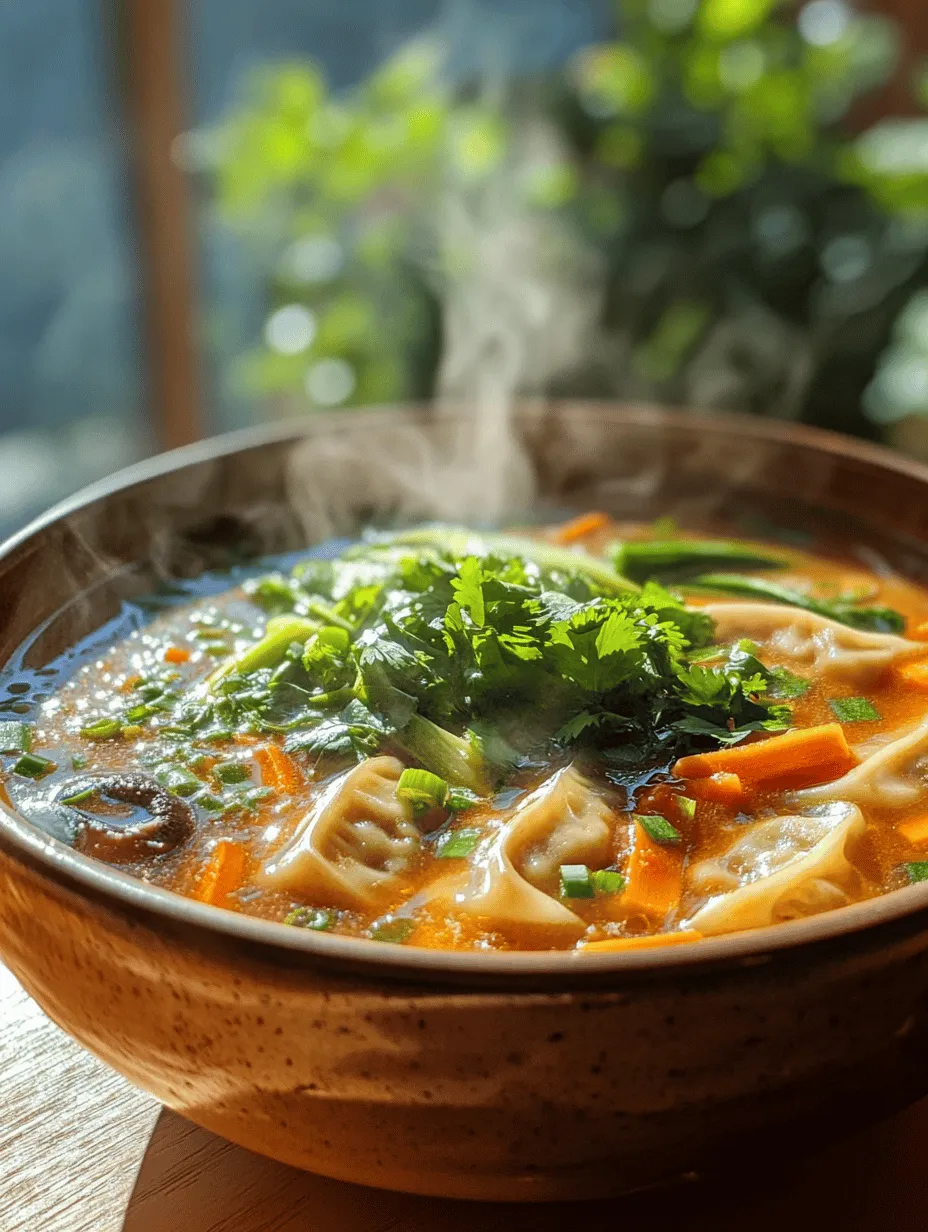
(915, 831)
(914, 674)
(654, 876)
(223, 873)
(278, 769)
(798, 758)
(722, 787)
(652, 941)
(176, 654)
(580, 527)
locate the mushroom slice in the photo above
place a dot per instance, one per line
(124, 818)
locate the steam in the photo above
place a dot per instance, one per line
(520, 297)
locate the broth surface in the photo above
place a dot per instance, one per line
(550, 851)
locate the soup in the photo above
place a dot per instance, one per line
(597, 737)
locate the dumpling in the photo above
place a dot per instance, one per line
(354, 843)
(780, 869)
(830, 648)
(517, 876)
(894, 775)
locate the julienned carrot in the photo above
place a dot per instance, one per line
(278, 769)
(176, 654)
(223, 873)
(651, 941)
(798, 758)
(915, 831)
(914, 674)
(722, 787)
(654, 877)
(579, 528)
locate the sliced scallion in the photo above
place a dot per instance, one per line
(422, 789)
(686, 806)
(658, 828)
(32, 766)
(318, 919)
(102, 729)
(607, 881)
(232, 772)
(178, 780)
(576, 881)
(459, 798)
(456, 844)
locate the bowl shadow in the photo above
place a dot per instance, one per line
(192, 1180)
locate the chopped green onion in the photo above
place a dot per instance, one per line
(15, 737)
(218, 735)
(686, 806)
(178, 780)
(102, 729)
(281, 631)
(853, 710)
(917, 871)
(78, 761)
(317, 918)
(32, 766)
(456, 844)
(212, 804)
(658, 828)
(459, 798)
(393, 931)
(422, 789)
(80, 796)
(607, 881)
(232, 772)
(576, 881)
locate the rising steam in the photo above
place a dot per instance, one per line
(520, 298)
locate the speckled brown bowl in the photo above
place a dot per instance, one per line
(522, 1076)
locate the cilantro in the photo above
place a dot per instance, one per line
(784, 684)
(853, 709)
(917, 871)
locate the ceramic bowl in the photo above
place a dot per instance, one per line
(519, 1076)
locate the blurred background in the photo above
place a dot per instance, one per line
(220, 212)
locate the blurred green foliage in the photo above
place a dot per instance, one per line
(755, 252)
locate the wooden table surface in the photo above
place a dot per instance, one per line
(82, 1151)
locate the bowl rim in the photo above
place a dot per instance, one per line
(24, 840)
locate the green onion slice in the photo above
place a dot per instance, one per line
(576, 881)
(658, 828)
(607, 881)
(319, 919)
(686, 806)
(102, 729)
(422, 789)
(232, 772)
(32, 766)
(456, 844)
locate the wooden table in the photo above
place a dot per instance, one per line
(82, 1151)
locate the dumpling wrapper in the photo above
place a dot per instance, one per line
(889, 777)
(355, 842)
(831, 649)
(782, 869)
(564, 821)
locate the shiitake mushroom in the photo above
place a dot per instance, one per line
(154, 823)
